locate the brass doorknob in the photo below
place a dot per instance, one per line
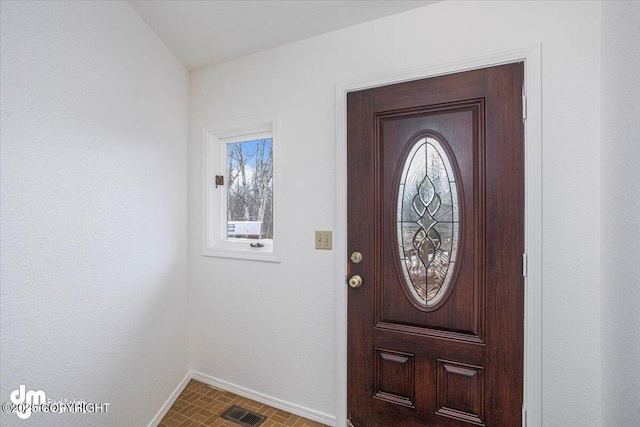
(355, 281)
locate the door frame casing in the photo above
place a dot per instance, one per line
(531, 56)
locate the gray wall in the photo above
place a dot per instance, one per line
(620, 213)
(94, 211)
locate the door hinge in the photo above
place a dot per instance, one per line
(524, 265)
(219, 180)
(524, 417)
(524, 107)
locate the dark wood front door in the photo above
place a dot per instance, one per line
(436, 209)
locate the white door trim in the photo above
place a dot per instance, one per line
(533, 215)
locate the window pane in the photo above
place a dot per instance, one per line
(250, 189)
(427, 221)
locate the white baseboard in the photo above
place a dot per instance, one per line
(301, 411)
(170, 401)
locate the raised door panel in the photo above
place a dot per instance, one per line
(458, 313)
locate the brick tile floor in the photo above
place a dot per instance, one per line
(201, 405)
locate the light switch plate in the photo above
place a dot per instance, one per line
(324, 240)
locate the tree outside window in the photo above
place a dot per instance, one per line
(250, 189)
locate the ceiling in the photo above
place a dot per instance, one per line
(202, 33)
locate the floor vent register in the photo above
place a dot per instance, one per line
(243, 417)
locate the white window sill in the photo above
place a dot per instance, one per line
(265, 254)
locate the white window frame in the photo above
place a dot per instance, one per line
(215, 137)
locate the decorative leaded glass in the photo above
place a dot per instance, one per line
(427, 221)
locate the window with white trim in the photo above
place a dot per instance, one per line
(238, 188)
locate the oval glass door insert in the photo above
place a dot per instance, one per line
(427, 221)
